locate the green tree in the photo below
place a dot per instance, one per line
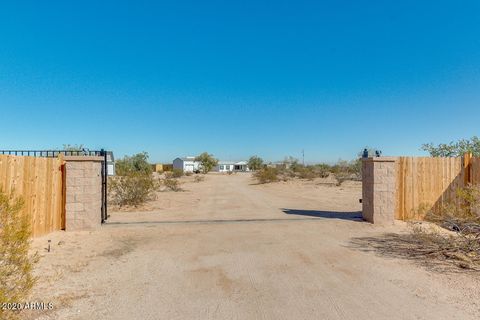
(454, 148)
(137, 163)
(73, 147)
(255, 163)
(291, 163)
(207, 162)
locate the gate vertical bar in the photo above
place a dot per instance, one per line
(104, 185)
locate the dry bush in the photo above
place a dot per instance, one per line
(341, 177)
(174, 174)
(462, 215)
(438, 248)
(132, 189)
(266, 175)
(322, 170)
(435, 250)
(188, 173)
(460, 246)
(306, 173)
(16, 265)
(198, 178)
(345, 170)
(172, 184)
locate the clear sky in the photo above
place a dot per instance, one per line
(238, 78)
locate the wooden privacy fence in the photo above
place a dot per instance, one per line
(424, 184)
(39, 181)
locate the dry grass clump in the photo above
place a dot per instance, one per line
(16, 265)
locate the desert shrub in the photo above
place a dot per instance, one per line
(207, 162)
(16, 265)
(137, 163)
(322, 170)
(172, 184)
(347, 170)
(466, 210)
(133, 189)
(177, 173)
(266, 175)
(255, 163)
(198, 178)
(188, 173)
(305, 172)
(470, 197)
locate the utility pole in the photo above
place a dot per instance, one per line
(303, 157)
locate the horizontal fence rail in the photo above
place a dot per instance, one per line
(53, 153)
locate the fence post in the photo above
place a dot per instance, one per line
(379, 189)
(83, 192)
(467, 167)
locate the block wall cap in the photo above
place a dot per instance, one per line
(380, 159)
(83, 158)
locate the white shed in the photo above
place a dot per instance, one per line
(186, 164)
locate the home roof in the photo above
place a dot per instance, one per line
(226, 162)
(232, 162)
(187, 158)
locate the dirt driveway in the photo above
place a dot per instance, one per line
(227, 249)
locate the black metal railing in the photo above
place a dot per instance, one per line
(53, 153)
(83, 152)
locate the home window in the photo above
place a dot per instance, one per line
(221, 167)
(227, 167)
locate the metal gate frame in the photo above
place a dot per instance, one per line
(85, 152)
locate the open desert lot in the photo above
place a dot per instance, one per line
(227, 248)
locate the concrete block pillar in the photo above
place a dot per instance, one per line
(83, 184)
(379, 189)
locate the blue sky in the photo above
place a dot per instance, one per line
(238, 78)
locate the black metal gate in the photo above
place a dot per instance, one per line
(84, 152)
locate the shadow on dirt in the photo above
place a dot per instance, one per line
(343, 215)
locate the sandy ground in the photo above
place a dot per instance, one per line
(226, 248)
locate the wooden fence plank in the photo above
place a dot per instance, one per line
(40, 182)
(426, 184)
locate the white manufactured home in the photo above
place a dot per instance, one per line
(186, 164)
(231, 166)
